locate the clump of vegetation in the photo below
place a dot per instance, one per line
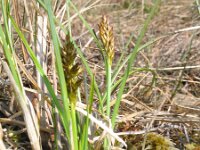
(78, 113)
(158, 142)
(192, 146)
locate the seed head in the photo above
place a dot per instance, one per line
(107, 38)
(71, 70)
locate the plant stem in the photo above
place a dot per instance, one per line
(74, 126)
(109, 86)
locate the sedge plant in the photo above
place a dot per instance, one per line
(71, 71)
(107, 38)
(68, 72)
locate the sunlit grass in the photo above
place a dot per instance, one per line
(76, 126)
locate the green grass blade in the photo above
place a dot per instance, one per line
(131, 60)
(84, 137)
(117, 71)
(98, 44)
(80, 52)
(90, 74)
(59, 67)
(15, 78)
(39, 68)
(7, 43)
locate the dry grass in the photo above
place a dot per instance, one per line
(168, 105)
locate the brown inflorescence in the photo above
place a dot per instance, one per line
(71, 70)
(107, 38)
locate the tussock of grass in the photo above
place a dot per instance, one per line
(120, 83)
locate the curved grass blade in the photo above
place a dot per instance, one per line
(39, 68)
(131, 61)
